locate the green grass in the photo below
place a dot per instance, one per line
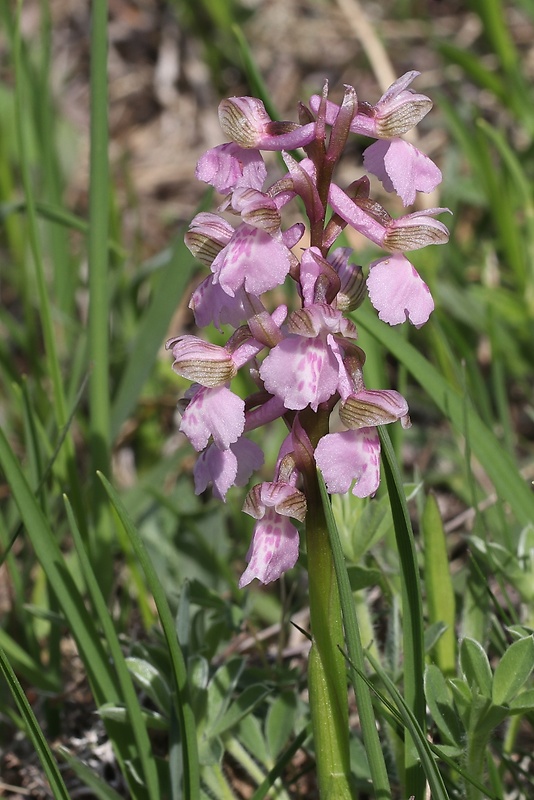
(143, 577)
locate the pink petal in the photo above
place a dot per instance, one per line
(214, 412)
(274, 549)
(301, 371)
(210, 303)
(226, 468)
(218, 467)
(401, 168)
(253, 259)
(398, 292)
(350, 456)
(356, 217)
(249, 459)
(227, 166)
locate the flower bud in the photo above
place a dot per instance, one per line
(202, 362)
(246, 122)
(415, 231)
(352, 289)
(367, 408)
(256, 209)
(282, 496)
(208, 234)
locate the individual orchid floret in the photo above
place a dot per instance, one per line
(201, 362)
(280, 495)
(256, 209)
(253, 259)
(401, 168)
(398, 111)
(350, 457)
(228, 167)
(212, 412)
(245, 121)
(226, 468)
(211, 304)
(306, 367)
(414, 231)
(410, 232)
(368, 408)
(274, 549)
(275, 543)
(398, 292)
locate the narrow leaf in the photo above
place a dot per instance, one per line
(34, 731)
(182, 703)
(132, 706)
(438, 583)
(412, 607)
(498, 464)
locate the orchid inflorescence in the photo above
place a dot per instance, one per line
(311, 364)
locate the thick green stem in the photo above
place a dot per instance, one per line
(327, 682)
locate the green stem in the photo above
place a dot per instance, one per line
(327, 682)
(476, 757)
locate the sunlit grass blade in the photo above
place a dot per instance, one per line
(57, 214)
(31, 670)
(151, 331)
(371, 739)
(475, 69)
(439, 590)
(254, 77)
(183, 707)
(133, 709)
(51, 559)
(97, 241)
(34, 731)
(17, 527)
(497, 463)
(99, 294)
(431, 771)
(52, 357)
(412, 609)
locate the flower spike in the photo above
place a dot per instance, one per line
(303, 361)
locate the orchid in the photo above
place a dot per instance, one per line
(305, 362)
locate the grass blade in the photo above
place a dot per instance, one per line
(100, 790)
(52, 561)
(151, 332)
(412, 607)
(498, 464)
(133, 709)
(438, 583)
(34, 731)
(418, 736)
(183, 706)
